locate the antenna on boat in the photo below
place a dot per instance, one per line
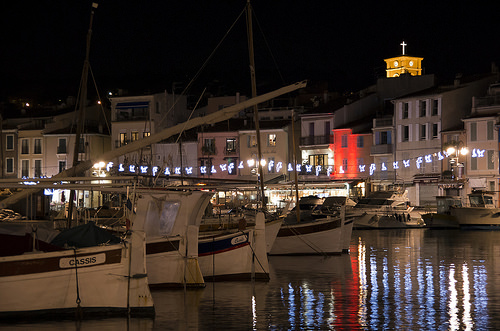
(81, 110)
(255, 109)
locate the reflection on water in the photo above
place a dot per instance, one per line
(417, 279)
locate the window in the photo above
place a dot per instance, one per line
(423, 131)
(492, 186)
(344, 141)
(473, 131)
(271, 139)
(9, 165)
(38, 168)
(61, 147)
(311, 129)
(490, 130)
(327, 128)
(406, 108)
(423, 108)
(360, 142)
(62, 166)
(359, 162)
(25, 168)
(318, 159)
(10, 142)
(38, 146)
(406, 133)
(157, 107)
(473, 163)
(25, 146)
(383, 138)
(435, 130)
(146, 134)
(435, 104)
(344, 165)
(134, 135)
(123, 138)
(252, 141)
(491, 159)
(231, 145)
(209, 146)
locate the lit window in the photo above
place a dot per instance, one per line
(271, 139)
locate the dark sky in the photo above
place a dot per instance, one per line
(148, 45)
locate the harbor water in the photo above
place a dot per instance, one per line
(405, 279)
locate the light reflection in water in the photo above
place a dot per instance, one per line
(430, 311)
(481, 297)
(401, 287)
(254, 313)
(363, 284)
(452, 304)
(466, 319)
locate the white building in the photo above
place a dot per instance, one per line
(419, 119)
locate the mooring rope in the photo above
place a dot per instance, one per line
(78, 299)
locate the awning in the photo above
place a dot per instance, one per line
(137, 104)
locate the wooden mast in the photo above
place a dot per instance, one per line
(81, 111)
(255, 108)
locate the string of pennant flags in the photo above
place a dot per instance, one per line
(232, 167)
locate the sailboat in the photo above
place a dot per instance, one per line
(52, 281)
(302, 234)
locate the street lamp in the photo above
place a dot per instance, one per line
(454, 150)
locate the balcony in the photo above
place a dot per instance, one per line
(229, 152)
(208, 150)
(381, 149)
(316, 140)
(382, 122)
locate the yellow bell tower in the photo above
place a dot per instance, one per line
(402, 64)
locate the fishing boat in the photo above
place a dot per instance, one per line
(319, 236)
(242, 219)
(171, 223)
(314, 234)
(480, 213)
(442, 218)
(51, 281)
(332, 206)
(386, 209)
(235, 255)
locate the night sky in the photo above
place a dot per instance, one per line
(148, 45)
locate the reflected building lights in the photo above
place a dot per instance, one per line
(385, 283)
(408, 295)
(373, 289)
(466, 318)
(291, 306)
(397, 293)
(452, 304)
(430, 294)
(254, 313)
(363, 284)
(481, 297)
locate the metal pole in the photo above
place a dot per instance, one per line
(254, 94)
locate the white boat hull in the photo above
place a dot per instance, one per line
(238, 255)
(168, 265)
(321, 236)
(477, 217)
(47, 284)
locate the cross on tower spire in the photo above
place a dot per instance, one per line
(403, 44)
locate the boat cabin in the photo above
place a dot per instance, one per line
(481, 199)
(445, 203)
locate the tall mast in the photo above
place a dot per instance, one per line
(81, 109)
(254, 94)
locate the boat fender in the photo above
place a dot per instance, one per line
(496, 215)
(127, 224)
